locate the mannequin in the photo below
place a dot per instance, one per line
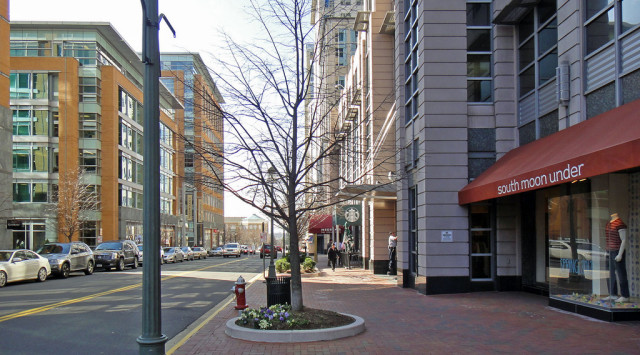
(616, 234)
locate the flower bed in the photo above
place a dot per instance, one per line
(280, 317)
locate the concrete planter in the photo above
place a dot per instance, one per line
(294, 336)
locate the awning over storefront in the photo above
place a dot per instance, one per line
(603, 144)
(362, 191)
(321, 223)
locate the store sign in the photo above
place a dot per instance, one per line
(14, 224)
(350, 214)
(571, 172)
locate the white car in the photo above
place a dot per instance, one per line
(141, 259)
(231, 249)
(22, 264)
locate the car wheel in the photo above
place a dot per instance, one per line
(90, 268)
(3, 278)
(120, 265)
(64, 271)
(135, 263)
(42, 275)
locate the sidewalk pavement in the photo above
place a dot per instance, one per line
(401, 320)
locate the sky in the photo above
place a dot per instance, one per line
(197, 24)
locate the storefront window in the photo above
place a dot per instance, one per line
(588, 243)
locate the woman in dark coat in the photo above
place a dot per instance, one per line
(333, 255)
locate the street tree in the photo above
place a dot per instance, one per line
(276, 140)
(73, 202)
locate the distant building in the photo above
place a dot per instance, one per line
(246, 230)
(5, 129)
(76, 97)
(201, 194)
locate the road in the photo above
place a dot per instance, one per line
(102, 314)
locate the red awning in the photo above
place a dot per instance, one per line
(603, 144)
(320, 224)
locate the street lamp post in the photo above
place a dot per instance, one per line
(272, 267)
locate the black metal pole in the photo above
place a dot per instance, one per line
(272, 266)
(152, 340)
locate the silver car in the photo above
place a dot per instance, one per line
(66, 258)
(188, 253)
(173, 255)
(199, 252)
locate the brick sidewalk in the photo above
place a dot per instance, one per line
(403, 321)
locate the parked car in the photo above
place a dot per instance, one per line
(199, 252)
(231, 249)
(188, 253)
(244, 249)
(117, 254)
(265, 250)
(278, 248)
(561, 249)
(22, 264)
(173, 255)
(65, 258)
(216, 252)
(141, 254)
(252, 250)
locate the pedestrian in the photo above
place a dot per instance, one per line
(332, 254)
(340, 252)
(393, 243)
(329, 247)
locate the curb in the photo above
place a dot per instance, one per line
(294, 336)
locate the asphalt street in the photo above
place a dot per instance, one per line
(101, 313)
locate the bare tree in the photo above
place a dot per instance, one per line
(273, 154)
(72, 202)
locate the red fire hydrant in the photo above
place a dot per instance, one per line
(241, 298)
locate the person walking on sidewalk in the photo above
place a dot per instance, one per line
(393, 243)
(333, 255)
(329, 247)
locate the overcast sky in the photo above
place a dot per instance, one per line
(196, 22)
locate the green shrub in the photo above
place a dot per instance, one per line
(308, 265)
(282, 265)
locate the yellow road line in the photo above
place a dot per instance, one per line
(36, 310)
(207, 320)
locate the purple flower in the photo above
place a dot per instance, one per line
(286, 314)
(282, 319)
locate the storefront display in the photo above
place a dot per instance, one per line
(592, 242)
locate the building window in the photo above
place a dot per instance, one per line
(411, 59)
(413, 230)
(29, 86)
(89, 90)
(89, 233)
(89, 125)
(479, 80)
(611, 30)
(537, 63)
(481, 242)
(28, 121)
(30, 158)
(90, 160)
(30, 192)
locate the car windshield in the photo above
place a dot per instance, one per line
(168, 250)
(231, 246)
(109, 246)
(140, 247)
(5, 255)
(54, 249)
(185, 248)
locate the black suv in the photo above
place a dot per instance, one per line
(116, 254)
